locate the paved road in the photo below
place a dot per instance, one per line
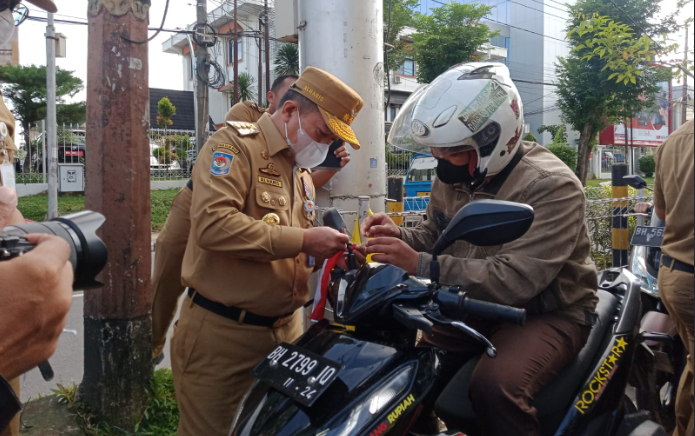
(68, 360)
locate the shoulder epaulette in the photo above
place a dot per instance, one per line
(244, 129)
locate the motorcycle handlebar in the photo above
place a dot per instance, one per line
(458, 305)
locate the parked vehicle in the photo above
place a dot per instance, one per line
(660, 362)
(418, 182)
(364, 375)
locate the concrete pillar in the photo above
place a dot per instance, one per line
(346, 39)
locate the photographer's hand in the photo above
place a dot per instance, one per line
(8, 207)
(36, 293)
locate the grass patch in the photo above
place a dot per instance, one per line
(35, 207)
(160, 418)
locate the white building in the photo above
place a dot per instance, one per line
(222, 21)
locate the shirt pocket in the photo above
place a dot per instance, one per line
(270, 197)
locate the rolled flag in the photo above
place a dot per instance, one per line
(321, 296)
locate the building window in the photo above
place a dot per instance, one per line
(407, 69)
(393, 112)
(239, 51)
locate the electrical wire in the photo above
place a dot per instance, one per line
(164, 18)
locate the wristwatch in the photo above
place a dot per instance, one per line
(9, 404)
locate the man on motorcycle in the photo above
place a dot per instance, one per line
(673, 201)
(471, 120)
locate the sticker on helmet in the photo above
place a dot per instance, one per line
(516, 109)
(483, 106)
(515, 140)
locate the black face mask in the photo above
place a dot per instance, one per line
(452, 174)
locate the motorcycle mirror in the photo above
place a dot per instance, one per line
(636, 182)
(486, 223)
(333, 219)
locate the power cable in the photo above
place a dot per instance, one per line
(164, 18)
(538, 10)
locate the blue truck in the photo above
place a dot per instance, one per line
(418, 182)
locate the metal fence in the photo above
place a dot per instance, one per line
(397, 161)
(172, 154)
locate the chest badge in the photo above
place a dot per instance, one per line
(309, 209)
(307, 191)
(264, 155)
(272, 219)
(270, 170)
(265, 197)
(282, 201)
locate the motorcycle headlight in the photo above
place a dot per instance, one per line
(639, 269)
(363, 413)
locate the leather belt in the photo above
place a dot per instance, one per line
(232, 313)
(670, 262)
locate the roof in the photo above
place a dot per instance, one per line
(185, 110)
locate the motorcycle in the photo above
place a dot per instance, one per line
(660, 361)
(364, 375)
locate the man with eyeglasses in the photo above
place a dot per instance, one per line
(12, 14)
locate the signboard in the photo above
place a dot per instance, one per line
(650, 127)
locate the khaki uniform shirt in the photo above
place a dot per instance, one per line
(673, 192)
(546, 270)
(245, 111)
(234, 257)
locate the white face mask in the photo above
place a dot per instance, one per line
(6, 26)
(307, 152)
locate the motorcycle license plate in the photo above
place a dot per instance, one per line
(648, 236)
(301, 375)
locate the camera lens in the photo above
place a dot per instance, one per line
(88, 253)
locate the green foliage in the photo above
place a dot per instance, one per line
(566, 154)
(530, 137)
(161, 416)
(25, 87)
(448, 36)
(401, 16)
(647, 165)
(73, 113)
(287, 60)
(247, 87)
(164, 154)
(554, 131)
(399, 158)
(166, 111)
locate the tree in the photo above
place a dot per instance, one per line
(247, 87)
(530, 137)
(554, 131)
(73, 113)
(589, 101)
(287, 60)
(401, 16)
(166, 110)
(448, 36)
(647, 165)
(25, 87)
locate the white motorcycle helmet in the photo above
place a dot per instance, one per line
(473, 106)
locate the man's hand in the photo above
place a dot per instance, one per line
(643, 207)
(344, 156)
(36, 295)
(8, 204)
(379, 225)
(324, 242)
(394, 252)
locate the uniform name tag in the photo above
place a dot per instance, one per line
(233, 148)
(271, 182)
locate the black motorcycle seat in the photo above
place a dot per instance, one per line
(454, 406)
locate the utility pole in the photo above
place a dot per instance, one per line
(260, 62)
(117, 317)
(51, 119)
(267, 50)
(347, 40)
(684, 105)
(236, 55)
(202, 87)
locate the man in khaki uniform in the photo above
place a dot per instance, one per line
(253, 246)
(172, 241)
(673, 201)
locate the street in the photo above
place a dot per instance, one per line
(68, 360)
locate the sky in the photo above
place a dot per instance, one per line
(165, 69)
